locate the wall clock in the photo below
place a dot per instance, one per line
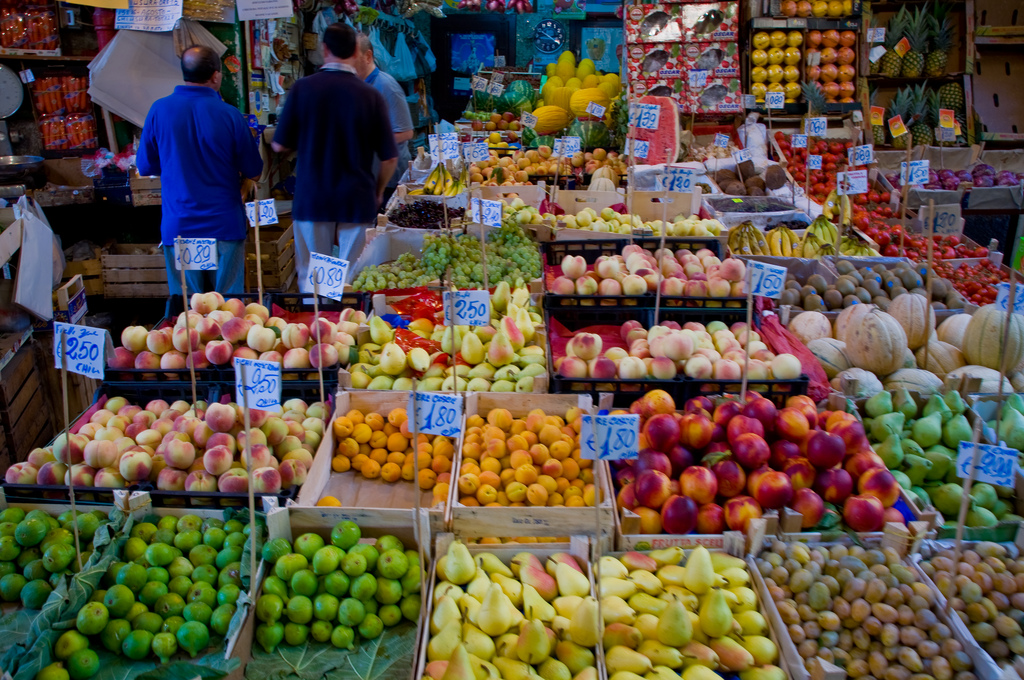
(549, 36)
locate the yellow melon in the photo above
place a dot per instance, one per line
(579, 100)
(550, 69)
(590, 80)
(559, 96)
(585, 68)
(574, 83)
(610, 90)
(565, 70)
(550, 119)
(567, 56)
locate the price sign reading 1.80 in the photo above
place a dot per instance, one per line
(329, 273)
(996, 464)
(260, 387)
(766, 280)
(436, 412)
(644, 116)
(610, 437)
(85, 348)
(268, 212)
(470, 307)
(678, 179)
(195, 254)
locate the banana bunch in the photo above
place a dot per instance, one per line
(746, 239)
(782, 241)
(837, 208)
(441, 183)
(814, 247)
(854, 247)
(823, 229)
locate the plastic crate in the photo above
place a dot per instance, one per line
(776, 390)
(591, 249)
(624, 392)
(299, 303)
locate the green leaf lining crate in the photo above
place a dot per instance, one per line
(134, 270)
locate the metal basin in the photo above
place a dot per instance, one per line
(15, 168)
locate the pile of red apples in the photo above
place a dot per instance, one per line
(716, 467)
(712, 352)
(637, 271)
(179, 447)
(220, 330)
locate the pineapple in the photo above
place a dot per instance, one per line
(878, 131)
(815, 98)
(941, 41)
(923, 129)
(918, 32)
(902, 105)
(891, 62)
(951, 96)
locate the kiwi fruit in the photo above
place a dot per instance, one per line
(734, 188)
(845, 285)
(910, 279)
(871, 286)
(790, 297)
(881, 301)
(850, 300)
(833, 298)
(818, 283)
(858, 276)
(897, 290)
(938, 305)
(845, 267)
(879, 269)
(923, 292)
(755, 191)
(954, 302)
(774, 176)
(863, 295)
(814, 303)
(808, 290)
(793, 284)
(940, 287)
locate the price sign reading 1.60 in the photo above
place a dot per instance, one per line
(479, 84)
(195, 254)
(766, 280)
(1003, 298)
(470, 307)
(996, 465)
(644, 116)
(678, 179)
(436, 412)
(329, 273)
(85, 348)
(476, 152)
(261, 386)
(268, 212)
(609, 437)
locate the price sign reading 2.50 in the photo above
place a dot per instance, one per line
(610, 437)
(195, 254)
(470, 307)
(436, 413)
(261, 388)
(330, 274)
(84, 346)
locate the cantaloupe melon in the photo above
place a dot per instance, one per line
(913, 379)
(857, 383)
(915, 315)
(846, 317)
(989, 378)
(942, 358)
(876, 342)
(809, 326)
(953, 328)
(831, 354)
(983, 340)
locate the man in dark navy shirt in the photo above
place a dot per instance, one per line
(336, 123)
(202, 149)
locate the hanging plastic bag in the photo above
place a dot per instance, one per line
(41, 262)
(381, 56)
(403, 67)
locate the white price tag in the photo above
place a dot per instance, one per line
(996, 464)
(27, 76)
(698, 79)
(945, 134)
(721, 140)
(595, 109)
(876, 35)
(195, 254)
(851, 183)
(749, 101)
(814, 162)
(567, 146)
(678, 179)
(436, 412)
(799, 141)
(444, 146)
(471, 307)
(640, 148)
(479, 84)
(486, 212)
(85, 348)
(495, 89)
(741, 156)
(876, 53)
(528, 119)
(644, 116)
(499, 62)
(268, 212)
(1003, 297)
(816, 127)
(775, 100)
(861, 155)
(261, 388)
(766, 280)
(330, 273)
(476, 152)
(813, 58)
(947, 220)
(918, 172)
(609, 437)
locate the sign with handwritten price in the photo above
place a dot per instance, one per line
(799, 141)
(850, 183)
(85, 348)
(861, 155)
(640, 148)
(814, 162)
(1003, 298)
(567, 146)
(476, 152)
(749, 101)
(721, 140)
(486, 212)
(698, 79)
(436, 412)
(766, 280)
(775, 100)
(947, 219)
(470, 307)
(261, 386)
(678, 179)
(528, 119)
(195, 254)
(268, 212)
(609, 437)
(741, 156)
(445, 145)
(479, 84)
(645, 116)
(330, 274)
(918, 172)
(996, 464)
(495, 89)
(945, 134)
(595, 109)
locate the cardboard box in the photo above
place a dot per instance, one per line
(69, 305)
(675, 60)
(721, 95)
(693, 23)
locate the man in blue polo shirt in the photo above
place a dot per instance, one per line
(337, 124)
(202, 149)
(398, 106)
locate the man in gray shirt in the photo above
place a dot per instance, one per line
(398, 107)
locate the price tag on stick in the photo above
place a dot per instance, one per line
(436, 412)
(799, 141)
(261, 386)
(328, 274)
(470, 307)
(678, 179)
(814, 162)
(741, 156)
(476, 152)
(644, 116)
(479, 84)
(861, 155)
(486, 212)
(851, 183)
(1003, 297)
(721, 140)
(997, 465)
(528, 119)
(918, 172)
(268, 212)
(640, 148)
(195, 254)
(609, 437)
(85, 346)
(595, 109)
(766, 280)
(775, 100)
(567, 146)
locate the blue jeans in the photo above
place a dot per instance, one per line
(323, 237)
(227, 279)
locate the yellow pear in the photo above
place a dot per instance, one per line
(700, 575)
(447, 588)
(618, 587)
(751, 622)
(571, 581)
(392, 359)
(476, 643)
(470, 608)
(418, 358)
(715, 615)
(609, 567)
(380, 331)
(565, 606)
(763, 673)
(495, 615)
(472, 350)
(667, 556)
(534, 644)
(662, 673)
(646, 581)
(621, 658)
(722, 561)
(674, 626)
(478, 586)
(514, 669)
(661, 654)
(746, 600)
(489, 562)
(672, 575)
(735, 576)
(506, 646)
(700, 673)
(511, 587)
(442, 645)
(459, 567)
(444, 613)
(647, 624)
(535, 606)
(584, 629)
(459, 666)
(761, 648)
(614, 609)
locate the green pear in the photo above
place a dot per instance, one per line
(442, 645)
(460, 667)
(941, 458)
(879, 405)
(715, 615)
(1011, 428)
(380, 332)
(1001, 508)
(891, 451)
(902, 479)
(927, 431)
(903, 402)
(916, 468)
(911, 447)
(956, 403)
(495, 615)
(980, 517)
(888, 424)
(459, 567)
(674, 626)
(946, 499)
(984, 495)
(501, 297)
(956, 430)
(935, 404)
(923, 500)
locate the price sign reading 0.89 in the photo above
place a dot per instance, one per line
(799, 141)
(268, 212)
(816, 127)
(996, 464)
(678, 179)
(85, 348)
(1003, 298)
(644, 116)
(814, 162)
(610, 437)
(329, 273)
(766, 280)
(775, 100)
(861, 155)
(261, 387)
(470, 307)
(195, 254)
(436, 413)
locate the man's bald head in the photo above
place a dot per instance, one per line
(199, 65)
(364, 55)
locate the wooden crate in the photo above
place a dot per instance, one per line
(90, 270)
(81, 389)
(277, 254)
(129, 270)
(24, 405)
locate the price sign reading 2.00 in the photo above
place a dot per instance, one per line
(470, 307)
(330, 274)
(610, 437)
(436, 413)
(195, 254)
(84, 346)
(261, 388)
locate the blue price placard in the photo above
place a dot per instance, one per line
(766, 280)
(799, 141)
(861, 155)
(470, 307)
(610, 437)
(678, 179)
(918, 172)
(486, 212)
(595, 109)
(816, 127)
(476, 152)
(195, 254)
(85, 348)
(261, 386)
(436, 413)
(528, 119)
(721, 140)
(741, 156)
(479, 84)
(1003, 297)
(996, 464)
(640, 148)
(814, 162)
(645, 116)
(268, 212)
(775, 100)
(698, 79)
(567, 146)
(329, 273)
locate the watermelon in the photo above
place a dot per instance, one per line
(519, 97)
(592, 133)
(482, 101)
(664, 142)
(532, 140)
